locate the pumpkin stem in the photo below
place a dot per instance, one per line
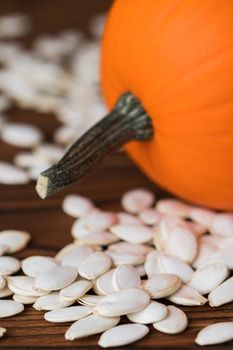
(126, 122)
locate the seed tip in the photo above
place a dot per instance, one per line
(42, 186)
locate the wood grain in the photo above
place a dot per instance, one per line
(20, 207)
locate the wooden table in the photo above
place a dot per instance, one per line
(20, 207)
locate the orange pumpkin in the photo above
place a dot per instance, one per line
(176, 57)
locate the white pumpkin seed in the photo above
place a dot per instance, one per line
(9, 265)
(75, 255)
(79, 228)
(124, 277)
(161, 263)
(204, 252)
(104, 283)
(222, 225)
(51, 301)
(50, 152)
(123, 335)
(202, 216)
(208, 277)
(130, 248)
(21, 135)
(34, 265)
(68, 314)
(149, 216)
(2, 282)
(99, 238)
(161, 234)
(14, 240)
(127, 219)
(133, 233)
(5, 292)
(26, 300)
(90, 325)
(216, 333)
(9, 308)
(95, 265)
(161, 285)
(24, 285)
(153, 312)
(187, 295)
(120, 258)
(175, 322)
(57, 277)
(137, 200)
(66, 250)
(100, 220)
(141, 270)
(75, 290)
(223, 256)
(222, 294)
(181, 243)
(90, 299)
(173, 207)
(2, 331)
(122, 303)
(77, 206)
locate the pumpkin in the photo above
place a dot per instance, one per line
(175, 58)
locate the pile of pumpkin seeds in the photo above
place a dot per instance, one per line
(126, 264)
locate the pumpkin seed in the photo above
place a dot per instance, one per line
(202, 216)
(130, 248)
(75, 290)
(100, 220)
(127, 219)
(104, 283)
(181, 243)
(187, 295)
(51, 301)
(208, 277)
(79, 228)
(153, 312)
(5, 292)
(14, 240)
(223, 256)
(90, 325)
(75, 255)
(120, 258)
(141, 270)
(137, 200)
(204, 252)
(160, 263)
(100, 238)
(55, 278)
(175, 322)
(216, 333)
(173, 207)
(68, 314)
(77, 206)
(222, 294)
(161, 285)
(34, 265)
(124, 277)
(149, 216)
(2, 331)
(2, 282)
(95, 265)
(24, 285)
(9, 308)
(222, 225)
(122, 302)
(90, 299)
(25, 299)
(123, 335)
(21, 135)
(133, 233)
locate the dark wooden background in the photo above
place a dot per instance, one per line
(20, 207)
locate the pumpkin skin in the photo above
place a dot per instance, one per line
(176, 57)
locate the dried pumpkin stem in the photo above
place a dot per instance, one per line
(126, 122)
